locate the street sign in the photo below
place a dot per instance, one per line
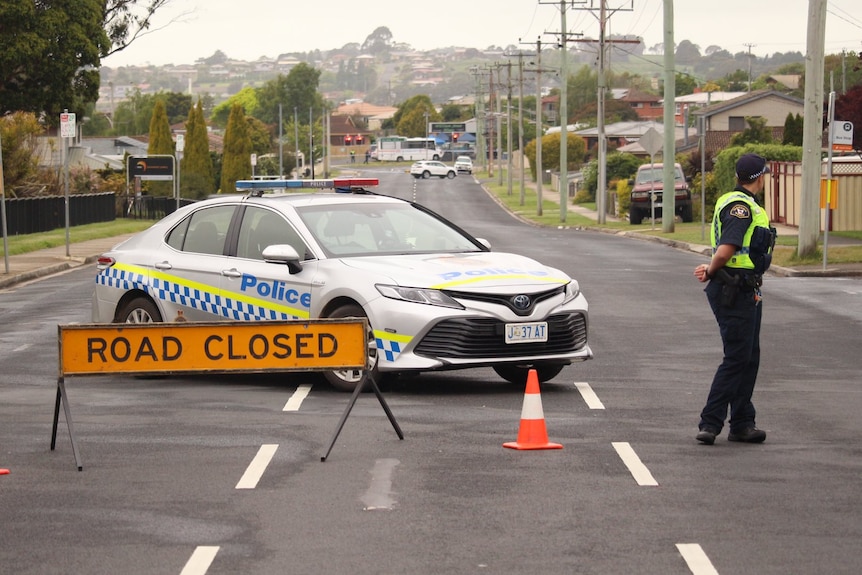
(181, 142)
(151, 167)
(842, 136)
(67, 125)
(652, 142)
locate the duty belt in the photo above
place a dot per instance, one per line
(742, 278)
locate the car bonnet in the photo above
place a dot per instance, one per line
(480, 271)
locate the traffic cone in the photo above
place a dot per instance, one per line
(4, 472)
(532, 434)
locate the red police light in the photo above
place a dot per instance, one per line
(346, 140)
(455, 137)
(358, 139)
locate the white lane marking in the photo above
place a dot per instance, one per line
(200, 561)
(21, 347)
(379, 494)
(592, 400)
(633, 462)
(295, 401)
(696, 559)
(257, 466)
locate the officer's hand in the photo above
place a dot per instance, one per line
(700, 272)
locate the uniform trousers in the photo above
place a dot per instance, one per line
(733, 383)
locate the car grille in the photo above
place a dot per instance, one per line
(483, 337)
(507, 300)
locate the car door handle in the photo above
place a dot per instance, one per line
(231, 273)
(163, 266)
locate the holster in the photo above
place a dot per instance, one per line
(730, 287)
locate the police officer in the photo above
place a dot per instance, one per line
(742, 242)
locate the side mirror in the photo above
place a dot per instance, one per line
(283, 254)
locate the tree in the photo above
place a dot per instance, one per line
(848, 108)
(576, 148)
(161, 143)
(756, 133)
(196, 166)
(295, 91)
(793, 130)
(18, 132)
(236, 162)
(410, 118)
(378, 41)
(246, 98)
(50, 53)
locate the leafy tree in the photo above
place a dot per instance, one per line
(236, 160)
(49, 55)
(756, 133)
(687, 53)
(161, 143)
(848, 108)
(247, 98)
(410, 119)
(684, 84)
(378, 42)
(793, 130)
(619, 166)
(196, 166)
(576, 148)
(18, 132)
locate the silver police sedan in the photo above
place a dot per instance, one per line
(435, 297)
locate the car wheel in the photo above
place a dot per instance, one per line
(450, 175)
(517, 374)
(348, 379)
(426, 174)
(399, 159)
(139, 310)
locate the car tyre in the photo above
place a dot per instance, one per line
(139, 310)
(348, 379)
(450, 175)
(426, 174)
(517, 374)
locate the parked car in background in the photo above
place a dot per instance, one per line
(463, 164)
(427, 168)
(434, 296)
(647, 187)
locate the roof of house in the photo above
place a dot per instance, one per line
(746, 98)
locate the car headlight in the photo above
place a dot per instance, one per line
(573, 290)
(418, 295)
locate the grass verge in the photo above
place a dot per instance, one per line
(22, 244)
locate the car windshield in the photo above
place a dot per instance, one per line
(380, 229)
(656, 175)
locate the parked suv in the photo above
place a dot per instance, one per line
(650, 180)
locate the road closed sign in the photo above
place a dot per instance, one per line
(192, 347)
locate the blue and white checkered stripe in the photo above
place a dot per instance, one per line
(390, 346)
(194, 296)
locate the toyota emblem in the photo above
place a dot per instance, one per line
(521, 302)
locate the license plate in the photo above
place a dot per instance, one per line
(526, 332)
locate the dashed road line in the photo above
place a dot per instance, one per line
(638, 470)
(590, 398)
(295, 401)
(200, 561)
(696, 559)
(379, 494)
(257, 466)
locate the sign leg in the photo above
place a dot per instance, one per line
(61, 398)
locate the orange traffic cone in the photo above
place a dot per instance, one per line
(4, 472)
(532, 433)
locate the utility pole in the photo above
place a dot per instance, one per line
(809, 221)
(509, 128)
(750, 46)
(480, 116)
(603, 17)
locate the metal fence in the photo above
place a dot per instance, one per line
(34, 215)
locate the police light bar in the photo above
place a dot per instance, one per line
(337, 183)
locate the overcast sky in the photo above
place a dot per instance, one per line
(187, 30)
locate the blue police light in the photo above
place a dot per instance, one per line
(337, 184)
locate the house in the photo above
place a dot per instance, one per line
(624, 136)
(724, 119)
(685, 105)
(372, 115)
(646, 106)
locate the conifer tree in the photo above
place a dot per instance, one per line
(161, 143)
(236, 162)
(196, 166)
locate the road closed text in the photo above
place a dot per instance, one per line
(192, 347)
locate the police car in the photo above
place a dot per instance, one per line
(435, 297)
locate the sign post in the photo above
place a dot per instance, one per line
(67, 130)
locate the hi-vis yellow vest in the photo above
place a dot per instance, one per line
(742, 258)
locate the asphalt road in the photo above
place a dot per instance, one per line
(222, 474)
